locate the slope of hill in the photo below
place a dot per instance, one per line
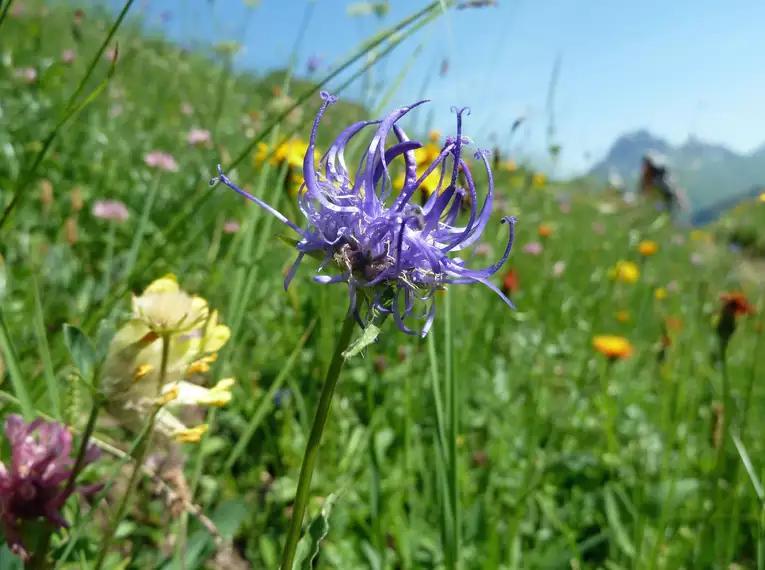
(716, 177)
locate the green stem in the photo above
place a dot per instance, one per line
(141, 454)
(314, 439)
(5, 11)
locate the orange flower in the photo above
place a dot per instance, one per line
(545, 230)
(736, 303)
(647, 248)
(673, 324)
(614, 347)
(510, 282)
(622, 316)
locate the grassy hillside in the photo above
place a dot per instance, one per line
(504, 439)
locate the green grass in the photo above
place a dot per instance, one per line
(501, 441)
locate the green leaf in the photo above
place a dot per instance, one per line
(308, 547)
(81, 349)
(292, 242)
(615, 522)
(368, 336)
(3, 280)
(104, 335)
(14, 370)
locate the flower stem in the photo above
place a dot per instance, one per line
(141, 452)
(314, 439)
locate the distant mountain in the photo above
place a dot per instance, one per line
(715, 177)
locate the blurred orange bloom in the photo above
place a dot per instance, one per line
(614, 347)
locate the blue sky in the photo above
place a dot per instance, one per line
(674, 67)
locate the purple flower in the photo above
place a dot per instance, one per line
(33, 484)
(395, 253)
(113, 210)
(313, 64)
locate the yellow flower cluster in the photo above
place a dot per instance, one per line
(291, 152)
(133, 383)
(424, 157)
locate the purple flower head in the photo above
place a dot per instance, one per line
(393, 251)
(313, 63)
(34, 484)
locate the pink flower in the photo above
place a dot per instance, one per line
(198, 137)
(113, 210)
(161, 160)
(558, 268)
(230, 227)
(187, 109)
(34, 479)
(673, 286)
(67, 56)
(598, 228)
(533, 248)
(18, 9)
(28, 74)
(564, 207)
(484, 249)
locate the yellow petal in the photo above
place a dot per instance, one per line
(142, 371)
(168, 396)
(216, 338)
(166, 284)
(191, 435)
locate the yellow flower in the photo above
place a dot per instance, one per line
(614, 347)
(165, 309)
(291, 151)
(434, 136)
(539, 180)
(509, 166)
(622, 316)
(648, 248)
(426, 156)
(132, 372)
(660, 293)
(699, 235)
(625, 272)
(762, 197)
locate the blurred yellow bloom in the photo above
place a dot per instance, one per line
(699, 235)
(660, 293)
(625, 272)
(762, 197)
(539, 180)
(165, 309)
(647, 248)
(622, 316)
(132, 382)
(292, 152)
(509, 165)
(614, 347)
(434, 137)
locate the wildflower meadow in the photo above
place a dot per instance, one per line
(256, 321)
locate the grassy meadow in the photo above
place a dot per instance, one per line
(504, 439)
